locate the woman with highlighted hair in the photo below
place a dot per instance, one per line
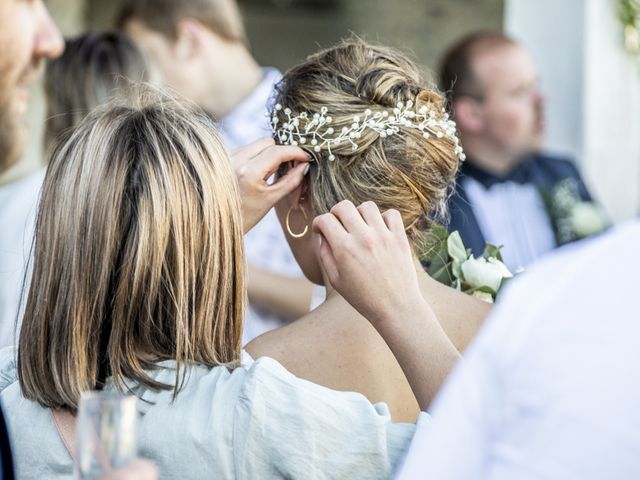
(139, 286)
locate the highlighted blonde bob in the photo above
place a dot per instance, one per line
(138, 254)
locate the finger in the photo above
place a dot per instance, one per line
(138, 470)
(328, 260)
(350, 217)
(331, 229)
(268, 161)
(254, 148)
(393, 220)
(371, 214)
(287, 183)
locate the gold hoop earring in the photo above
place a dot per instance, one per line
(306, 227)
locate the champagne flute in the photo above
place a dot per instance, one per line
(105, 433)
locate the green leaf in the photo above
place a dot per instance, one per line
(484, 289)
(443, 275)
(437, 261)
(435, 241)
(491, 251)
(455, 247)
(456, 269)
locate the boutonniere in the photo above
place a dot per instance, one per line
(572, 218)
(448, 261)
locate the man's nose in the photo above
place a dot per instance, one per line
(48, 42)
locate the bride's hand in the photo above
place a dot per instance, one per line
(368, 259)
(254, 165)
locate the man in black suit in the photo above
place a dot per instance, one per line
(491, 84)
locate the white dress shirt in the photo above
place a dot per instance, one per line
(549, 389)
(18, 204)
(512, 215)
(265, 245)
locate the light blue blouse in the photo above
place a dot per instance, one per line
(258, 421)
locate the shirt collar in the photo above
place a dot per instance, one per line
(520, 174)
(256, 103)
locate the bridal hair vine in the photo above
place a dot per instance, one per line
(315, 130)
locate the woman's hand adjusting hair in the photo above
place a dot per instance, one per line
(254, 165)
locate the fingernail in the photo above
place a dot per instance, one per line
(306, 169)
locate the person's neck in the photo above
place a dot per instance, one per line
(424, 280)
(238, 82)
(492, 160)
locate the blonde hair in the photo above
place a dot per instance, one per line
(404, 171)
(138, 254)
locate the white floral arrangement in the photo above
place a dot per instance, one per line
(448, 261)
(572, 217)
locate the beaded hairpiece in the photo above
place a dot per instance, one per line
(315, 130)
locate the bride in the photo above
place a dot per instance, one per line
(378, 132)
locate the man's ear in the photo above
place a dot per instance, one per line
(469, 115)
(190, 38)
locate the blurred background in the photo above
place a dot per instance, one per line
(589, 64)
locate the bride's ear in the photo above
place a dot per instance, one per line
(299, 196)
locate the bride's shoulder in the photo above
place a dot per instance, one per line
(329, 328)
(334, 346)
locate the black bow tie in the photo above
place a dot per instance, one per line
(520, 174)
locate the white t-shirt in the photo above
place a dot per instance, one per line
(18, 205)
(265, 245)
(514, 216)
(550, 387)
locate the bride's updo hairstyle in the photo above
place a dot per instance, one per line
(410, 170)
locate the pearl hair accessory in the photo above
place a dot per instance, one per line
(315, 130)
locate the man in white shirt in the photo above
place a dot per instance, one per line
(27, 36)
(547, 390)
(200, 49)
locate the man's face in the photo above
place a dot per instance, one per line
(512, 106)
(27, 35)
(177, 69)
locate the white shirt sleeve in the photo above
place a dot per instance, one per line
(547, 388)
(287, 427)
(454, 446)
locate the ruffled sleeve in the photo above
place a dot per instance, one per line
(291, 428)
(8, 368)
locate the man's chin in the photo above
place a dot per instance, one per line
(12, 140)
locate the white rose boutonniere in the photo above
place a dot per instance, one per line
(587, 219)
(572, 218)
(447, 260)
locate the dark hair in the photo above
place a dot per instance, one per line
(457, 78)
(93, 68)
(221, 16)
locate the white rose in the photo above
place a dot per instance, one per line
(586, 219)
(479, 272)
